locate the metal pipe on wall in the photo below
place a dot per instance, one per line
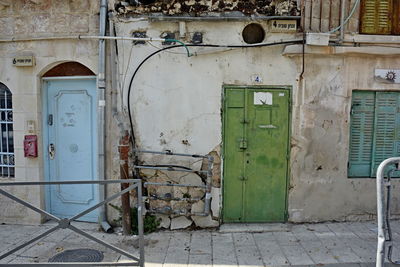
(114, 83)
(101, 103)
(342, 18)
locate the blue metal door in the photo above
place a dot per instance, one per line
(70, 144)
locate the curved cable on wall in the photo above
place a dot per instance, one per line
(186, 47)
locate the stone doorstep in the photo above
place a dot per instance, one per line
(254, 227)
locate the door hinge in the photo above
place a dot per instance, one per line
(50, 119)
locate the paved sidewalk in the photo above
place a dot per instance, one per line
(328, 244)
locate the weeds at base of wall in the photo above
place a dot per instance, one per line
(150, 222)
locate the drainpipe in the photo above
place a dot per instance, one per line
(342, 16)
(101, 87)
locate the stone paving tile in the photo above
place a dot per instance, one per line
(303, 234)
(200, 259)
(296, 255)
(243, 239)
(200, 243)
(318, 252)
(286, 238)
(341, 230)
(178, 250)
(271, 252)
(223, 252)
(366, 250)
(249, 256)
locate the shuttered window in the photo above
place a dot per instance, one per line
(374, 131)
(379, 17)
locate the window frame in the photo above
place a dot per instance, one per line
(380, 130)
(7, 149)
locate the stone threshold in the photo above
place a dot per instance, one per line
(254, 227)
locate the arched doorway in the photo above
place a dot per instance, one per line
(70, 138)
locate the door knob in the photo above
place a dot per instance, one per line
(52, 151)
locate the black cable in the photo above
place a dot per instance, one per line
(189, 45)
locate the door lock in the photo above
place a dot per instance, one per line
(242, 178)
(243, 143)
(52, 151)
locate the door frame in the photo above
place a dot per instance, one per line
(289, 89)
(45, 133)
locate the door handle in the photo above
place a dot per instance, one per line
(52, 151)
(243, 143)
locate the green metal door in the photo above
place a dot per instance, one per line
(256, 134)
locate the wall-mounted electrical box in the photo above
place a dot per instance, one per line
(30, 146)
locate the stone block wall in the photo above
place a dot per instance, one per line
(175, 205)
(38, 18)
(22, 18)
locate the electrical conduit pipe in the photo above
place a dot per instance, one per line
(101, 86)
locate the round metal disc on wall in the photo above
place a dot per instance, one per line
(78, 255)
(253, 33)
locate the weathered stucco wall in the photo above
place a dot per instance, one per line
(176, 101)
(25, 19)
(182, 96)
(320, 189)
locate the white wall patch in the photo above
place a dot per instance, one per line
(261, 98)
(387, 75)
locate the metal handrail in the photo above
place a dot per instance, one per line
(380, 196)
(66, 222)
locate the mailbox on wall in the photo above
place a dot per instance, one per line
(30, 146)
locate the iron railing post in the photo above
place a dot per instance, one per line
(380, 197)
(140, 223)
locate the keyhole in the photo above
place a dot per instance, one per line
(248, 162)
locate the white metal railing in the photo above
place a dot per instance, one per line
(383, 211)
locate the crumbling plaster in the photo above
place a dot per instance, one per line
(202, 7)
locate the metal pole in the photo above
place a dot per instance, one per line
(140, 223)
(123, 149)
(101, 103)
(380, 197)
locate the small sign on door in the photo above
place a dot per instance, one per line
(262, 98)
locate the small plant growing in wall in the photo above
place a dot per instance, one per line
(150, 222)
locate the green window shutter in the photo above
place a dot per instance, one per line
(386, 140)
(376, 16)
(361, 134)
